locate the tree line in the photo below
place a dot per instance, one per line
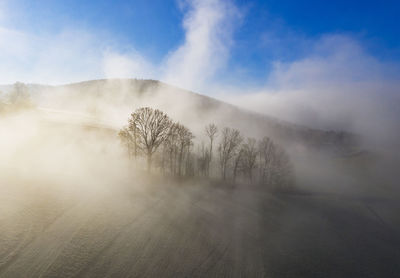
(168, 147)
(18, 98)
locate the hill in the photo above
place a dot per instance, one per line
(110, 102)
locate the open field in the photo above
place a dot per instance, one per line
(199, 138)
(73, 205)
(197, 230)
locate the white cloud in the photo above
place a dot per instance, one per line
(131, 65)
(75, 55)
(208, 29)
(65, 57)
(336, 86)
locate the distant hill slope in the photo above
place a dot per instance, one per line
(111, 102)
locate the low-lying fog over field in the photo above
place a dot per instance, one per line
(216, 150)
(75, 202)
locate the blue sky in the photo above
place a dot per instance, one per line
(264, 32)
(328, 64)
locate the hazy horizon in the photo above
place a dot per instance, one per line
(332, 77)
(199, 138)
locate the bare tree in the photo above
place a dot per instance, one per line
(170, 147)
(250, 152)
(202, 159)
(189, 165)
(230, 141)
(184, 138)
(129, 137)
(238, 161)
(152, 127)
(276, 169)
(266, 152)
(149, 129)
(211, 132)
(283, 176)
(126, 139)
(19, 95)
(176, 149)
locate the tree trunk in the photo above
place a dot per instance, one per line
(135, 143)
(149, 160)
(180, 157)
(209, 158)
